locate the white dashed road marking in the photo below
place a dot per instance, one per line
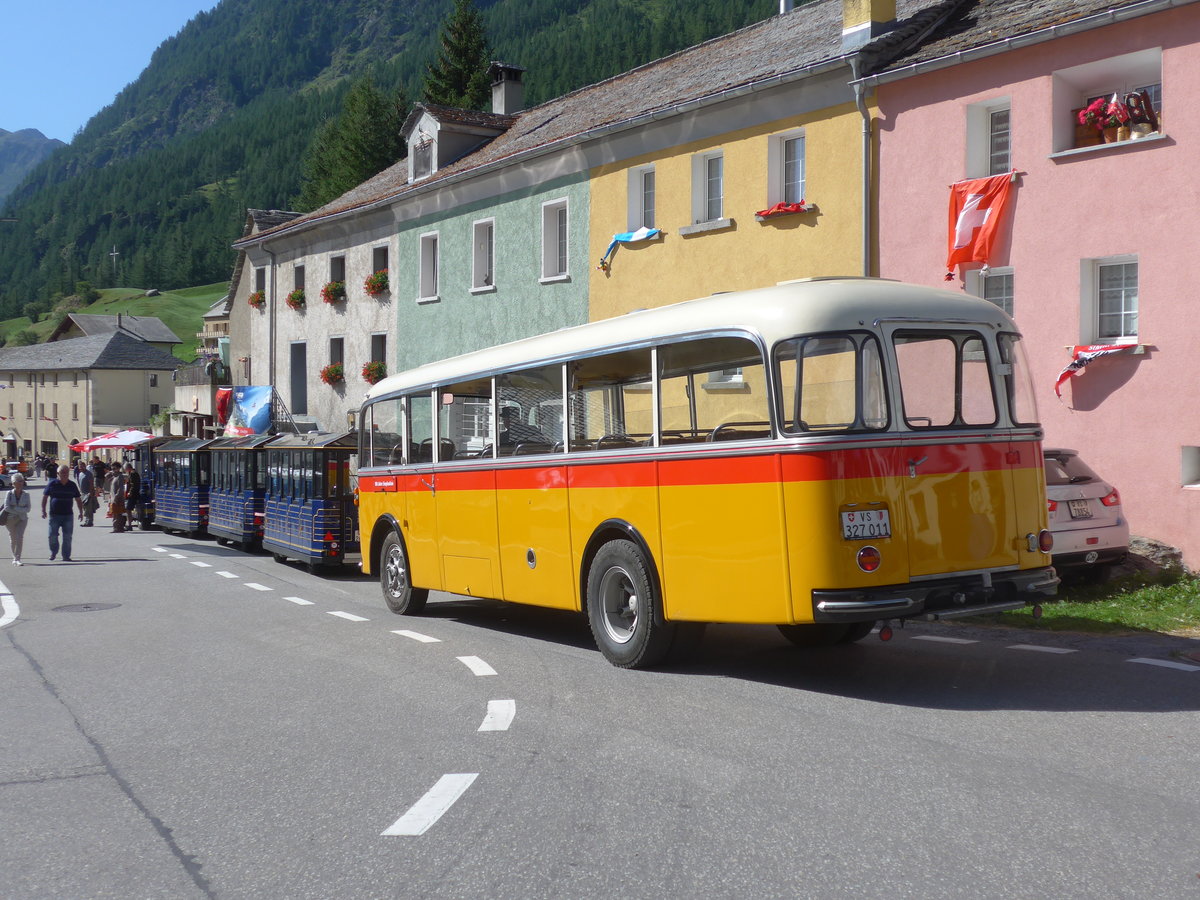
(299, 601)
(258, 587)
(1166, 664)
(943, 640)
(159, 549)
(349, 617)
(426, 811)
(202, 565)
(1037, 649)
(500, 714)
(177, 556)
(226, 574)
(476, 665)
(417, 636)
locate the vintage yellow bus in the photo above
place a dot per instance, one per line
(818, 456)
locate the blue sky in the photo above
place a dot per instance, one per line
(62, 61)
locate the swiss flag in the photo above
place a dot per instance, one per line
(977, 210)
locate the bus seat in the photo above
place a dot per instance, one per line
(615, 442)
(740, 431)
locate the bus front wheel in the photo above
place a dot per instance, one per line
(399, 594)
(623, 609)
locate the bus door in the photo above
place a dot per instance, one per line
(419, 522)
(957, 462)
(466, 490)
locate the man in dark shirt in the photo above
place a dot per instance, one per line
(59, 492)
(133, 496)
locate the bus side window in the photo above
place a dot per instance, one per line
(465, 420)
(609, 401)
(381, 422)
(529, 418)
(419, 409)
(712, 389)
(831, 382)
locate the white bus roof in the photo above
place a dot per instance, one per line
(791, 308)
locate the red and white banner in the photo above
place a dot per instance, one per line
(977, 210)
(1083, 356)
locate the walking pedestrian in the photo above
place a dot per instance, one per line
(86, 482)
(59, 493)
(17, 507)
(133, 495)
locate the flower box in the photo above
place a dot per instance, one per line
(258, 299)
(374, 371)
(376, 283)
(334, 374)
(334, 292)
(295, 300)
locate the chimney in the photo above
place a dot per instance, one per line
(865, 20)
(786, 6)
(508, 93)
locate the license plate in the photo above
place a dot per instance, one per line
(865, 524)
(1080, 509)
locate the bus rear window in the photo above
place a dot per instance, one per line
(945, 380)
(831, 383)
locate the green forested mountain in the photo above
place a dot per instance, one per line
(20, 151)
(221, 118)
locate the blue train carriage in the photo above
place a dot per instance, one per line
(237, 495)
(182, 471)
(142, 457)
(310, 511)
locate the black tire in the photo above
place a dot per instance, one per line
(816, 634)
(624, 610)
(279, 557)
(394, 578)
(857, 632)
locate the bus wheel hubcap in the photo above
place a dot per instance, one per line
(619, 605)
(397, 577)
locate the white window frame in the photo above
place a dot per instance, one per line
(637, 205)
(556, 259)
(483, 256)
(428, 280)
(378, 254)
(979, 136)
(977, 284)
(702, 200)
(1089, 281)
(1070, 89)
(424, 159)
(777, 163)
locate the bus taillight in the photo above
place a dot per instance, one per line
(868, 559)
(1045, 541)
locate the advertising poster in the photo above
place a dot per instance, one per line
(250, 412)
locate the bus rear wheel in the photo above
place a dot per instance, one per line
(825, 634)
(398, 592)
(623, 609)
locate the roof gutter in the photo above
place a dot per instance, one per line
(1053, 32)
(556, 146)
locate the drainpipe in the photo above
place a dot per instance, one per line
(860, 102)
(271, 327)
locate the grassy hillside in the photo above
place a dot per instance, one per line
(182, 311)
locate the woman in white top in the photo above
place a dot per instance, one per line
(18, 505)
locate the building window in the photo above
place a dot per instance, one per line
(260, 279)
(75, 412)
(422, 157)
(74, 379)
(337, 350)
(483, 254)
(554, 240)
(29, 410)
(56, 379)
(154, 410)
(708, 187)
(988, 144)
(11, 415)
(429, 267)
(298, 277)
(1074, 88)
(11, 379)
(641, 198)
(337, 268)
(785, 168)
(379, 259)
(379, 347)
(298, 373)
(29, 380)
(54, 411)
(1117, 300)
(998, 142)
(153, 379)
(994, 285)
(41, 410)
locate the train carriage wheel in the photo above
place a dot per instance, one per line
(394, 577)
(623, 608)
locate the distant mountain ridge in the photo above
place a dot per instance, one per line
(20, 152)
(155, 187)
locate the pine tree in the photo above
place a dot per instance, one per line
(459, 76)
(362, 141)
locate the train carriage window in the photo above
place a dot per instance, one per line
(258, 469)
(530, 411)
(202, 468)
(831, 383)
(311, 485)
(609, 407)
(693, 406)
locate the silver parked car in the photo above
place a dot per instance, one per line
(1086, 518)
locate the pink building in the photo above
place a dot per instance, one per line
(1100, 237)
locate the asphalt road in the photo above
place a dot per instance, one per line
(179, 719)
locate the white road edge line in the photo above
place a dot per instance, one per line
(1166, 664)
(476, 665)
(426, 811)
(500, 714)
(1036, 649)
(417, 636)
(8, 604)
(350, 617)
(299, 601)
(943, 640)
(254, 585)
